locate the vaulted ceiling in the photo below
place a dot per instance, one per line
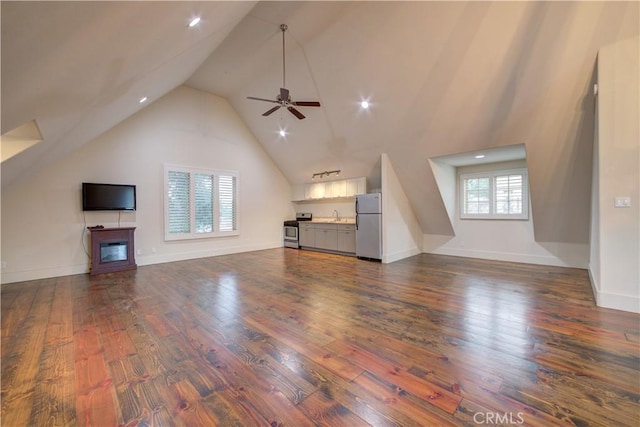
(441, 77)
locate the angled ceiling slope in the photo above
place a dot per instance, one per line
(19, 139)
(441, 77)
(79, 68)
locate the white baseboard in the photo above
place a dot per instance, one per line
(43, 273)
(49, 272)
(182, 256)
(618, 302)
(508, 256)
(615, 301)
(397, 256)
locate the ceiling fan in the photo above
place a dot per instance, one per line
(283, 99)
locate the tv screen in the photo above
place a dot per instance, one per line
(108, 197)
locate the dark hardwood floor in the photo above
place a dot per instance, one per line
(296, 338)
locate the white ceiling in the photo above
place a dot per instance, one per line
(442, 78)
(487, 155)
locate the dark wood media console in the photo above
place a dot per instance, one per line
(112, 249)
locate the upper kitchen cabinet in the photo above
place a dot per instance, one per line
(336, 188)
(330, 189)
(316, 190)
(356, 186)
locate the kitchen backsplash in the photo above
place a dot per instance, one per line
(346, 209)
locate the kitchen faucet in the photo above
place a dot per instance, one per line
(335, 214)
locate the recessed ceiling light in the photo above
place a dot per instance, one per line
(283, 133)
(143, 100)
(195, 21)
(479, 156)
(364, 104)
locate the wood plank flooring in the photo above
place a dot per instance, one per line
(285, 337)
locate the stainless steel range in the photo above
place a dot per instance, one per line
(291, 234)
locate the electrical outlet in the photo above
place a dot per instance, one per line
(3, 265)
(139, 252)
(622, 202)
(153, 250)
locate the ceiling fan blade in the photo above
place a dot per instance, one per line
(296, 113)
(265, 114)
(284, 94)
(306, 103)
(263, 99)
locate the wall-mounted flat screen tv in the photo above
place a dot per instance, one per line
(108, 197)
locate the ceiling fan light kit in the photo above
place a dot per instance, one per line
(283, 99)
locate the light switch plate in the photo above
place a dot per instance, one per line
(622, 202)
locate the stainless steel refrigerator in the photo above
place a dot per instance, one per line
(369, 226)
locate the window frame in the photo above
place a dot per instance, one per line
(493, 175)
(192, 234)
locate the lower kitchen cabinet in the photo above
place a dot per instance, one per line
(347, 238)
(328, 237)
(307, 235)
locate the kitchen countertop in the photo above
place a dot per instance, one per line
(346, 220)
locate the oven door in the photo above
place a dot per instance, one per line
(291, 236)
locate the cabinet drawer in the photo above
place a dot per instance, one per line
(346, 227)
(326, 226)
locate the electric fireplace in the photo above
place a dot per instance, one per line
(112, 249)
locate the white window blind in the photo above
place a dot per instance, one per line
(200, 203)
(494, 195)
(178, 208)
(204, 202)
(227, 198)
(508, 199)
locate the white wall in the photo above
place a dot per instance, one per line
(615, 239)
(502, 240)
(324, 209)
(43, 226)
(401, 233)
(446, 179)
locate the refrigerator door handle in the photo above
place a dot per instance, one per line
(356, 219)
(356, 206)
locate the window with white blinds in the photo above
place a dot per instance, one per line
(227, 202)
(200, 203)
(494, 195)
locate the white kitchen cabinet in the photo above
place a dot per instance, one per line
(314, 191)
(347, 238)
(328, 190)
(326, 237)
(332, 237)
(356, 186)
(339, 188)
(297, 192)
(307, 235)
(333, 189)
